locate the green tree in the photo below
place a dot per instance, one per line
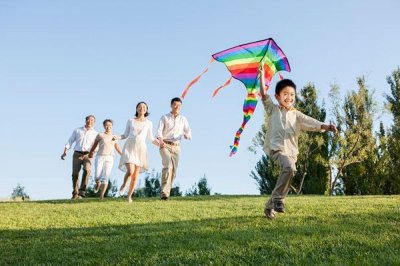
(392, 185)
(111, 191)
(265, 175)
(352, 144)
(19, 193)
(266, 172)
(359, 113)
(381, 167)
(152, 186)
(312, 174)
(176, 191)
(199, 189)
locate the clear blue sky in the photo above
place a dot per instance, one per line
(62, 60)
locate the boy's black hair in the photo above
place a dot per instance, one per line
(107, 120)
(147, 112)
(176, 99)
(284, 83)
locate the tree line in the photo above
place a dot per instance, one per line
(355, 161)
(152, 188)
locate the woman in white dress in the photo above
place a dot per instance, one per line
(134, 153)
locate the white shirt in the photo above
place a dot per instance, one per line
(83, 139)
(138, 129)
(284, 127)
(172, 128)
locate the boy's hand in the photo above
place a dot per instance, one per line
(330, 128)
(261, 70)
(90, 154)
(63, 156)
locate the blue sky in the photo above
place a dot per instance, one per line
(62, 60)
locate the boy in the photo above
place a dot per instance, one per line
(281, 141)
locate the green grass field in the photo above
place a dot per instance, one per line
(229, 230)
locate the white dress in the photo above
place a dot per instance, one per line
(135, 149)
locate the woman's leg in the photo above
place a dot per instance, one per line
(133, 182)
(129, 171)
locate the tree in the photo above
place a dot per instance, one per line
(381, 167)
(312, 174)
(265, 175)
(111, 191)
(152, 186)
(353, 142)
(359, 110)
(19, 193)
(201, 188)
(392, 185)
(176, 191)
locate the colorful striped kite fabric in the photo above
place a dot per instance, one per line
(243, 62)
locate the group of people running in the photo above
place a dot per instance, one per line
(134, 159)
(283, 123)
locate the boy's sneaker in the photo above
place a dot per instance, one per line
(279, 206)
(269, 213)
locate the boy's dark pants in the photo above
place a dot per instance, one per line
(79, 161)
(288, 170)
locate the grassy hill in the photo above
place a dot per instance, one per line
(202, 230)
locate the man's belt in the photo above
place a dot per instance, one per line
(171, 143)
(82, 152)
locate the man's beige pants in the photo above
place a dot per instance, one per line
(80, 161)
(170, 160)
(288, 170)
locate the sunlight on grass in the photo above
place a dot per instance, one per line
(203, 230)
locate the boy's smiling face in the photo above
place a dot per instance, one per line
(286, 97)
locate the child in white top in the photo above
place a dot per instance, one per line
(284, 124)
(104, 157)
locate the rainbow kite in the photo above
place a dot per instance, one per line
(243, 62)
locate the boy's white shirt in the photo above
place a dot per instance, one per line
(284, 127)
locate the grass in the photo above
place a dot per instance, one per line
(229, 230)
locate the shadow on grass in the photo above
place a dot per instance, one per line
(238, 240)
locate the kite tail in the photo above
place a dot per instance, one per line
(222, 86)
(196, 79)
(249, 106)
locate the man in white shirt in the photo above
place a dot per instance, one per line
(84, 138)
(172, 127)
